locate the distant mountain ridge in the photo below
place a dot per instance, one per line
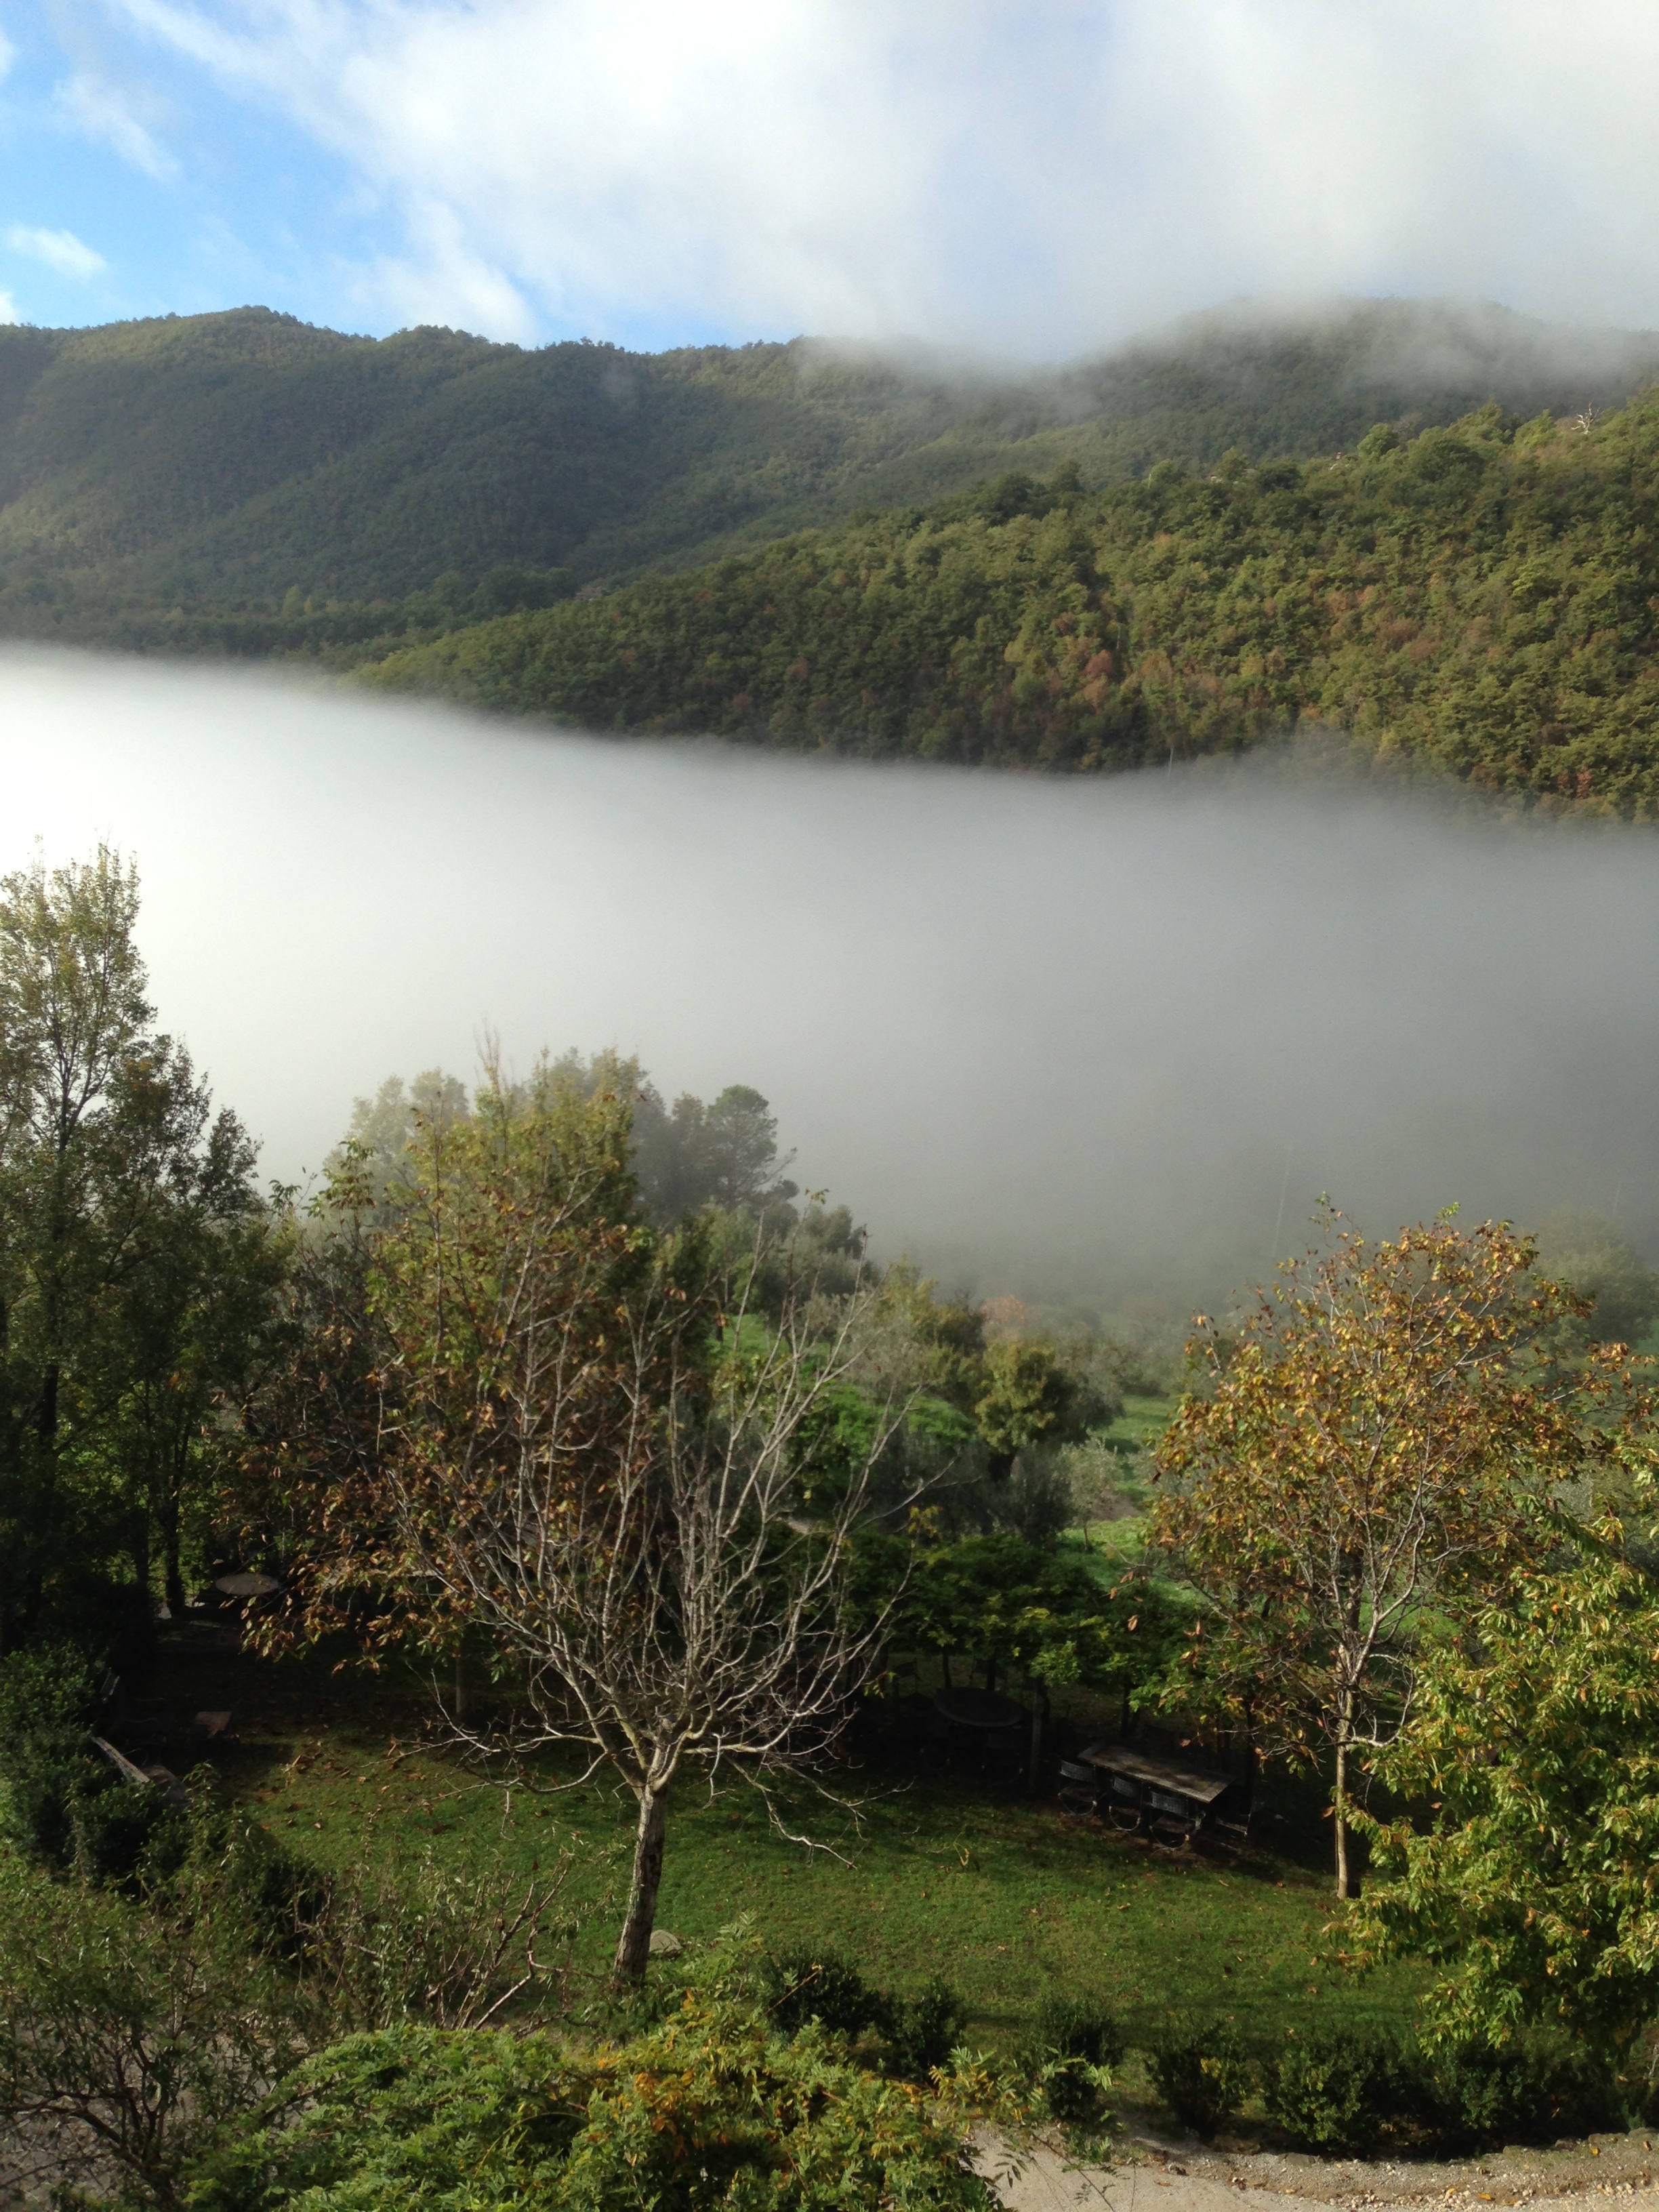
(203, 481)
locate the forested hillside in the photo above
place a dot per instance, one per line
(244, 483)
(1483, 594)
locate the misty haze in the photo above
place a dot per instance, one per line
(829, 1105)
(1089, 1041)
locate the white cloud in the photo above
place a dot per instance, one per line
(8, 54)
(9, 309)
(58, 249)
(445, 280)
(99, 112)
(1038, 174)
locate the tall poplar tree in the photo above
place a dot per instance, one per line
(110, 1160)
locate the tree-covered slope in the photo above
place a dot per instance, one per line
(195, 481)
(1484, 595)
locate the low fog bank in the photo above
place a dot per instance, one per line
(1472, 346)
(1103, 1040)
(1295, 358)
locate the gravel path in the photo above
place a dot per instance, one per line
(1164, 2176)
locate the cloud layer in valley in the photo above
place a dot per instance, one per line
(1109, 1036)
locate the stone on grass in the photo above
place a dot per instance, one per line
(664, 1946)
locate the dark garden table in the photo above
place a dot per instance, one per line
(1142, 1789)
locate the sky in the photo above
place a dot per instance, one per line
(1108, 1038)
(1034, 178)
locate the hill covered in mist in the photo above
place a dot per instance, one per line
(1482, 595)
(244, 483)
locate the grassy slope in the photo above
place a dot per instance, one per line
(1484, 595)
(217, 461)
(1004, 1896)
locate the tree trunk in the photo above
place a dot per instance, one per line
(138, 1544)
(45, 1418)
(466, 1701)
(1039, 1723)
(172, 1570)
(1339, 1814)
(633, 1944)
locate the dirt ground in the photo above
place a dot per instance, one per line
(1154, 2174)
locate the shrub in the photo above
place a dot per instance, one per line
(1485, 2095)
(48, 1695)
(925, 2029)
(406, 1937)
(1079, 2028)
(65, 1804)
(709, 2109)
(920, 2031)
(129, 2031)
(1339, 2092)
(826, 1986)
(1201, 2072)
(1073, 2045)
(132, 2024)
(1333, 2090)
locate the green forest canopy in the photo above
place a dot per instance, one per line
(159, 479)
(1408, 521)
(1481, 594)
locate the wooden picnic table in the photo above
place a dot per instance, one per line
(1141, 1783)
(1152, 1772)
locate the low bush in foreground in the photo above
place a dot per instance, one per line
(916, 2033)
(137, 2018)
(1073, 2045)
(711, 2108)
(1479, 2094)
(1201, 2072)
(1344, 2094)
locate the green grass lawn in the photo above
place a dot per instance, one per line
(1142, 1422)
(1004, 1896)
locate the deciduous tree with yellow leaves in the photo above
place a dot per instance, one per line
(1357, 1470)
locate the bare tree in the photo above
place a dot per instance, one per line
(646, 1495)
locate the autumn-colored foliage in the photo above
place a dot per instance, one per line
(574, 1438)
(1358, 1464)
